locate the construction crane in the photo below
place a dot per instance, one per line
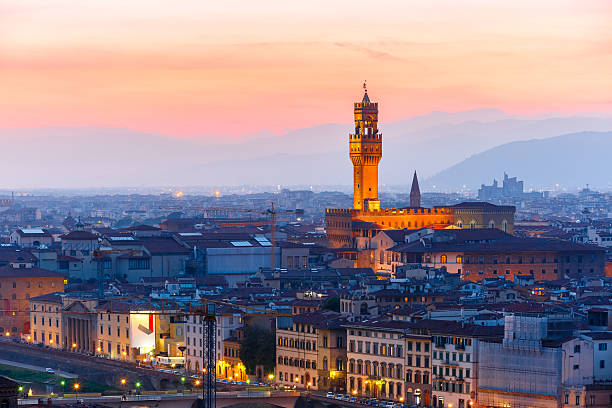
(208, 312)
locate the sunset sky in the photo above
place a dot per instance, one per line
(230, 68)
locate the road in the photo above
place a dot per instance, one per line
(36, 368)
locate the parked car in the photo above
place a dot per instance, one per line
(339, 396)
(330, 394)
(49, 370)
(346, 397)
(353, 400)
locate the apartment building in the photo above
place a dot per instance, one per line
(331, 354)
(46, 320)
(297, 350)
(229, 319)
(454, 360)
(20, 280)
(418, 369)
(586, 378)
(376, 358)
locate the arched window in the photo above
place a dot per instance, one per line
(459, 259)
(504, 225)
(460, 224)
(472, 224)
(443, 259)
(491, 224)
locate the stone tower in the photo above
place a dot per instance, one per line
(415, 192)
(365, 149)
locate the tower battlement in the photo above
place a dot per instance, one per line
(365, 151)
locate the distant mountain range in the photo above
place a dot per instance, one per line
(571, 160)
(112, 157)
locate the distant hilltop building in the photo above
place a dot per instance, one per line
(345, 227)
(511, 188)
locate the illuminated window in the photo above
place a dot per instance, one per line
(443, 259)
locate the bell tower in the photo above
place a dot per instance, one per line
(365, 149)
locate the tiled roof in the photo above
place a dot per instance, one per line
(79, 236)
(33, 272)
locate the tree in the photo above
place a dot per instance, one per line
(331, 303)
(258, 347)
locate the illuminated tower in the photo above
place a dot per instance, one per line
(365, 147)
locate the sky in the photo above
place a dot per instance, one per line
(226, 69)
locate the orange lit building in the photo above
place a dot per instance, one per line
(366, 218)
(20, 281)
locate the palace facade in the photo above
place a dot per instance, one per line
(345, 227)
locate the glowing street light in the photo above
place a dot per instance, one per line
(7, 334)
(123, 381)
(74, 345)
(197, 383)
(270, 377)
(76, 386)
(297, 379)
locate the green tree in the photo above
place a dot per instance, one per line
(258, 347)
(331, 303)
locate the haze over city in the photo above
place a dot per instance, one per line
(194, 75)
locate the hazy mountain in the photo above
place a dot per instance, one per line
(98, 156)
(571, 160)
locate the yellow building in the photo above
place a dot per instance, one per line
(126, 330)
(46, 320)
(344, 227)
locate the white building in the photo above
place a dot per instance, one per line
(376, 359)
(228, 320)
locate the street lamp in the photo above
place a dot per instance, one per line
(138, 387)
(76, 387)
(270, 377)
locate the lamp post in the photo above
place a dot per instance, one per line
(138, 387)
(63, 383)
(76, 387)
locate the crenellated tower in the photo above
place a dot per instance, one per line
(365, 149)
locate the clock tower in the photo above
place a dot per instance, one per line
(365, 149)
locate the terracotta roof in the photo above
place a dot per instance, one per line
(163, 246)
(10, 272)
(79, 236)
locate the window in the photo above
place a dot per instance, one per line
(602, 363)
(577, 399)
(443, 259)
(138, 263)
(603, 346)
(577, 348)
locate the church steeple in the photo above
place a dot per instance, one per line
(415, 192)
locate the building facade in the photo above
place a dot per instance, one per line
(345, 226)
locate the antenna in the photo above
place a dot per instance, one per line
(365, 85)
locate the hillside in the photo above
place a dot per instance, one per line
(571, 160)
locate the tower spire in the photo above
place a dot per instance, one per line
(415, 192)
(365, 150)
